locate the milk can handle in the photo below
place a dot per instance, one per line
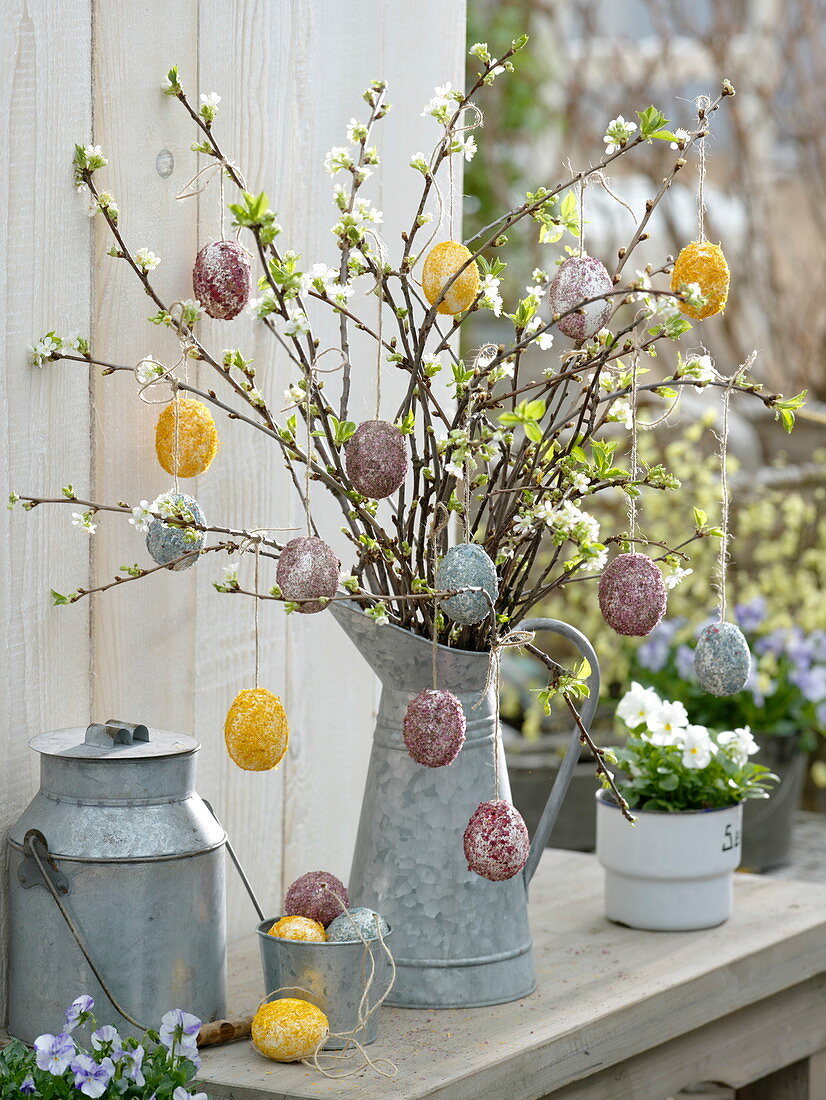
(33, 840)
(569, 761)
(241, 872)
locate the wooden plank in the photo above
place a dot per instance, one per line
(144, 633)
(45, 106)
(606, 995)
(789, 1083)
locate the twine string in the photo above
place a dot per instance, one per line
(724, 524)
(703, 103)
(176, 415)
(309, 417)
(437, 524)
(513, 639)
(255, 618)
(208, 170)
(632, 497)
(582, 185)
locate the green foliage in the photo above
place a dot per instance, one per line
(254, 213)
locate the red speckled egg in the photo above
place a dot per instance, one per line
(221, 279)
(434, 728)
(496, 841)
(632, 595)
(376, 459)
(314, 895)
(307, 569)
(578, 279)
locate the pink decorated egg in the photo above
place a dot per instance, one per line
(632, 595)
(579, 279)
(221, 279)
(434, 728)
(376, 459)
(496, 841)
(316, 895)
(308, 569)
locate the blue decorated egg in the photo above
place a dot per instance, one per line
(467, 565)
(347, 926)
(165, 543)
(722, 660)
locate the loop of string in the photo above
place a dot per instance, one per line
(513, 639)
(632, 498)
(309, 414)
(379, 291)
(703, 103)
(724, 519)
(437, 524)
(176, 418)
(582, 185)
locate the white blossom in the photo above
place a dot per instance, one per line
(141, 516)
(147, 369)
(210, 99)
(146, 260)
(490, 297)
(677, 576)
(297, 325)
(617, 133)
(337, 159)
(83, 520)
(681, 136)
(622, 412)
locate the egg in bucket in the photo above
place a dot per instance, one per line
(331, 975)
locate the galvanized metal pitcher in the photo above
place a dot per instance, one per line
(459, 941)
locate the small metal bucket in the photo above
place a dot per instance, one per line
(332, 976)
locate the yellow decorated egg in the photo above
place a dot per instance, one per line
(289, 1029)
(441, 264)
(197, 442)
(703, 263)
(256, 730)
(299, 928)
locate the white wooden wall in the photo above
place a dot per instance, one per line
(169, 651)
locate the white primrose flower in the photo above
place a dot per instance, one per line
(146, 260)
(667, 723)
(337, 159)
(141, 516)
(637, 704)
(618, 133)
(677, 576)
(697, 746)
(83, 520)
(739, 744)
(297, 325)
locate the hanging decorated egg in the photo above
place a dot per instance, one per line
(703, 263)
(632, 595)
(440, 265)
(578, 279)
(221, 279)
(318, 895)
(299, 928)
(289, 1029)
(496, 841)
(467, 565)
(256, 730)
(197, 442)
(722, 661)
(434, 728)
(376, 459)
(357, 924)
(308, 569)
(166, 542)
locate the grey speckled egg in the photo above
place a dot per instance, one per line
(578, 279)
(722, 660)
(341, 930)
(166, 543)
(307, 569)
(467, 565)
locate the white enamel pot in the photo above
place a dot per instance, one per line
(671, 872)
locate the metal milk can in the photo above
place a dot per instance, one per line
(116, 883)
(459, 941)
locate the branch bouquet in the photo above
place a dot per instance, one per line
(480, 452)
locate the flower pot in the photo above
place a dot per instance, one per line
(671, 872)
(768, 822)
(332, 976)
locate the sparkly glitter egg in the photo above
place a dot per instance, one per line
(197, 442)
(288, 1029)
(722, 660)
(632, 595)
(376, 459)
(256, 730)
(221, 279)
(496, 841)
(341, 930)
(299, 928)
(314, 895)
(441, 264)
(166, 543)
(307, 568)
(703, 263)
(467, 565)
(434, 728)
(578, 279)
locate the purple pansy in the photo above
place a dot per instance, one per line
(132, 1062)
(811, 681)
(107, 1040)
(181, 1093)
(684, 661)
(53, 1053)
(749, 616)
(91, 1077)
(78, 1011)
(27, 1085)
(820, 713)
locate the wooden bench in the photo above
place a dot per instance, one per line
(618, 1014)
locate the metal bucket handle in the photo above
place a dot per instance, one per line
(569, 761)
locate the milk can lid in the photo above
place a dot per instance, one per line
(113, 740)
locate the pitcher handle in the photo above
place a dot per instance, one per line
(569, 761)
